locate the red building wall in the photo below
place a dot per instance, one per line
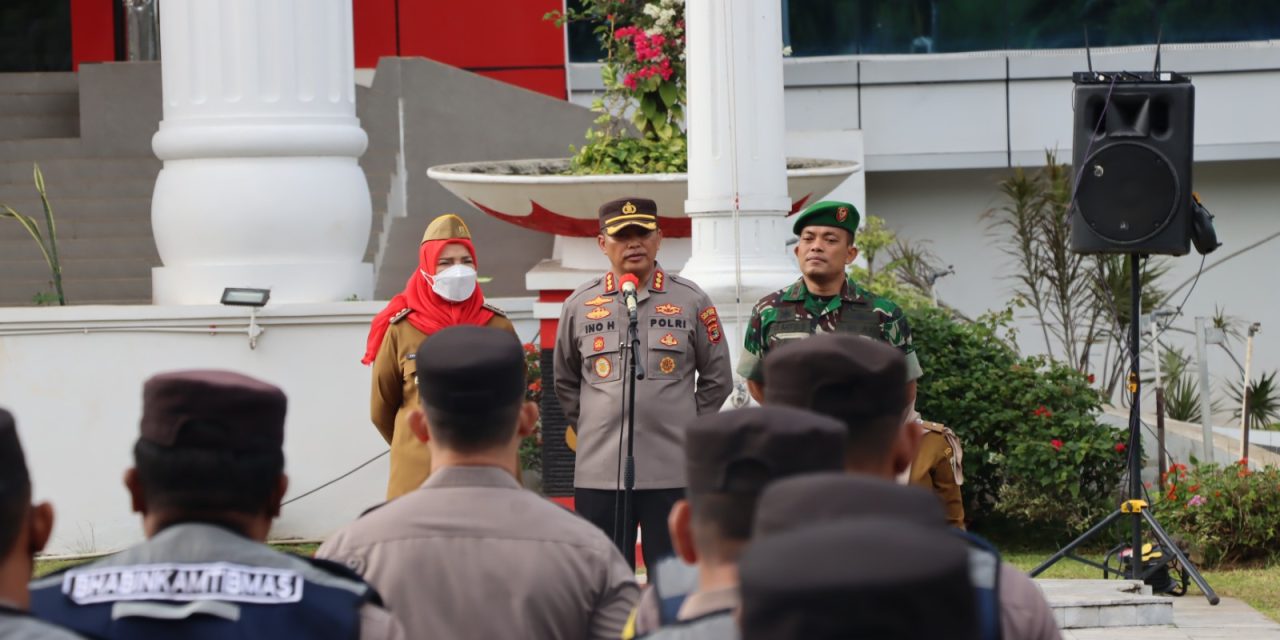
(505, 40)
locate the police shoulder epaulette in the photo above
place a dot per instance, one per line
(495, 310)
(936, 427)
(401, 315)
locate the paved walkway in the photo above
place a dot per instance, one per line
(1194, 619)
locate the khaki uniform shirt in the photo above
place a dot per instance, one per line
(395, 396)
(680, 342)
(472, 555)
(937, 468)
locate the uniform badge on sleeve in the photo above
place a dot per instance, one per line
(711, 320)
(667, 364)
(598, 344)
(603, 367)
(668, 309)
(598, 313)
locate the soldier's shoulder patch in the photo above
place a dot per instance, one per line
(400, 315)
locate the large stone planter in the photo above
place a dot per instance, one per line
(536, 194)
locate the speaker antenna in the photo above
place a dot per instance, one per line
(1088, 55)
(1159, 40)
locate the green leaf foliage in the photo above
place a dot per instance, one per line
(1228, 514)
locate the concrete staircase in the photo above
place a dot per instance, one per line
(1091, 604)
(99, 184)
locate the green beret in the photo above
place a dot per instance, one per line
(828, 213)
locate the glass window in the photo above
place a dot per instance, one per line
(35, 35)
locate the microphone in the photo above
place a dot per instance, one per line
(629, 283)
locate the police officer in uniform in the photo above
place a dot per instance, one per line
(856, 381)
(442, 292)
(470, 554)
(24, 530)
(681, 341)
(208, 480)
(730, 457)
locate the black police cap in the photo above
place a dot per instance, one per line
(842, 375)
(877, 578)
(246, 414)
(471, 369)
(741, 451)
(795, 502)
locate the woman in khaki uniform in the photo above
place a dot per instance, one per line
(938, 467)
(442, 293)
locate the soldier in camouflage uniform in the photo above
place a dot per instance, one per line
(824, 299)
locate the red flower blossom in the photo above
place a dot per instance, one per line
(1120, 447)
(1090, 378)
(1056, 444)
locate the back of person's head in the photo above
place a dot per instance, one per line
(211, 442)
(730, 457)
(471, 381)
(792, 503)
(880, 578)
(15, 484)
(859, 381)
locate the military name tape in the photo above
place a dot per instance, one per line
(183, 583)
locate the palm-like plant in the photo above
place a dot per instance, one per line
(1264, 403)
(48, 242)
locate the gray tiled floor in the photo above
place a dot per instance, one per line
(1194, 619)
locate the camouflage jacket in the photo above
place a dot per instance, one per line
(794, 313)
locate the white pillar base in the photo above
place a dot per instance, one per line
(203, 284)
(767, 264)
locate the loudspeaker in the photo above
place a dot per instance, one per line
(1132, 157)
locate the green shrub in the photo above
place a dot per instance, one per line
(1033, 448)
(1230, 514)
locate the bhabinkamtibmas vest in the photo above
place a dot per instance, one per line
(199, 581)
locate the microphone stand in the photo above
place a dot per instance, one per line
(635, 373)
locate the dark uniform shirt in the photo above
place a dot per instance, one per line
(793, 313)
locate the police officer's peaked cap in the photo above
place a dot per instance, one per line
(828, 213)
(741, 451)
(837, 374)
(471, 369)
(13, 465)
(826, 497)
(871, 578)
(239, 413)
(619, 214)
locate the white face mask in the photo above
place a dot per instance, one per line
(455, 284)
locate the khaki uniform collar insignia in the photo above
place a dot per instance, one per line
(400, 316)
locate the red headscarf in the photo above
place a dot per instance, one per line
(430, 313)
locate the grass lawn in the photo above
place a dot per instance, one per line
(1259, 587)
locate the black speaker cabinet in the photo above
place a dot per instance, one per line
(1132, 156)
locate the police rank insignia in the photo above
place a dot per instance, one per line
(668, 309)
(659, 279)
(598, 343)
(842, 214)
(669, 340)
(711, 320)
(603, 367)
(667, 364)
(597, 301)
(598, 313)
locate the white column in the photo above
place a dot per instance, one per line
(736, 157)
(260, 186)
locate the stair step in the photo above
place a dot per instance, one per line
(143, 247)
(77, 208)
(77, 187)
(41, 149)
(40, 82)
(31, 127)
(1087, 604)
(132, 227)
(40, 104)
(73, 269)
(79, 291)
(60, 170)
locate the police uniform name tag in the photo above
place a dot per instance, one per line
(220, 581)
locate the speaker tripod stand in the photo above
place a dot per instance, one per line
(1134, 508)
